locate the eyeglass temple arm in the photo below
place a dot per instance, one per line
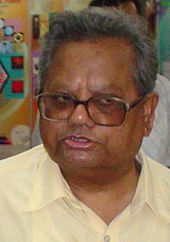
(132, 105)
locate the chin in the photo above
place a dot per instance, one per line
(78, 159)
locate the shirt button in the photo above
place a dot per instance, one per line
(106, 238)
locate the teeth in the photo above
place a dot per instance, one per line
(79, 139)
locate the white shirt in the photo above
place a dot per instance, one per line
(157, 144)
(37, 205)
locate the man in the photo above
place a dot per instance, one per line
(157, 145)
(89, 181)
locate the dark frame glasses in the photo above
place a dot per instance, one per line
(103, 110)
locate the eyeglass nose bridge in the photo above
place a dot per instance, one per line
(84, 103)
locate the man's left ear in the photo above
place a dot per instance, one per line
(149, 111)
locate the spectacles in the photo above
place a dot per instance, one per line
(104, 110)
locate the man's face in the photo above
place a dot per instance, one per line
(85, 69)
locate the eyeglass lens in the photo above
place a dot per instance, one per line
(103, 111)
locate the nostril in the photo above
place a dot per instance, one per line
(80, 116)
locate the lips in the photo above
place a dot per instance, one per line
(78, 142)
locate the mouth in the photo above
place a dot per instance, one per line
(78, 142)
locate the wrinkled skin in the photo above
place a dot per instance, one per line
(83, 69)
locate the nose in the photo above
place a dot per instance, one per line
(80, 116)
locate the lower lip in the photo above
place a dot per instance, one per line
(77, 144)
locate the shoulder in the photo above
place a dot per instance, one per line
(158, 168)
(18, 176)
(23, 160)
(157, 187)
(158, 173)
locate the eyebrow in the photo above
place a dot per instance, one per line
(107, 89)
(57, 84)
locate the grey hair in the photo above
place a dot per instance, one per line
(95, 23)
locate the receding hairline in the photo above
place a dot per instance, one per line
(118, 45)
(96, 39)
(93, 22)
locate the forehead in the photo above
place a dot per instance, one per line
(93, 64)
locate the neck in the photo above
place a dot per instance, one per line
(98, 179)
(107, 186)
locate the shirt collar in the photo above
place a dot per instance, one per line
(152, 190)
(48, 185)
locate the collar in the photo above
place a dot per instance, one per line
(153, 188)
(48, 184)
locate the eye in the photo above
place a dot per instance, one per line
(105, 101)
(108, 105)
(62, 98)
(59, 101)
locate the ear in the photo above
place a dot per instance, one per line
(149, 106)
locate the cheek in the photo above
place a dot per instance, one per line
(135, 131)
(50, 134)
(126, 139)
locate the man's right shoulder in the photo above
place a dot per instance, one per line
(23, 160)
